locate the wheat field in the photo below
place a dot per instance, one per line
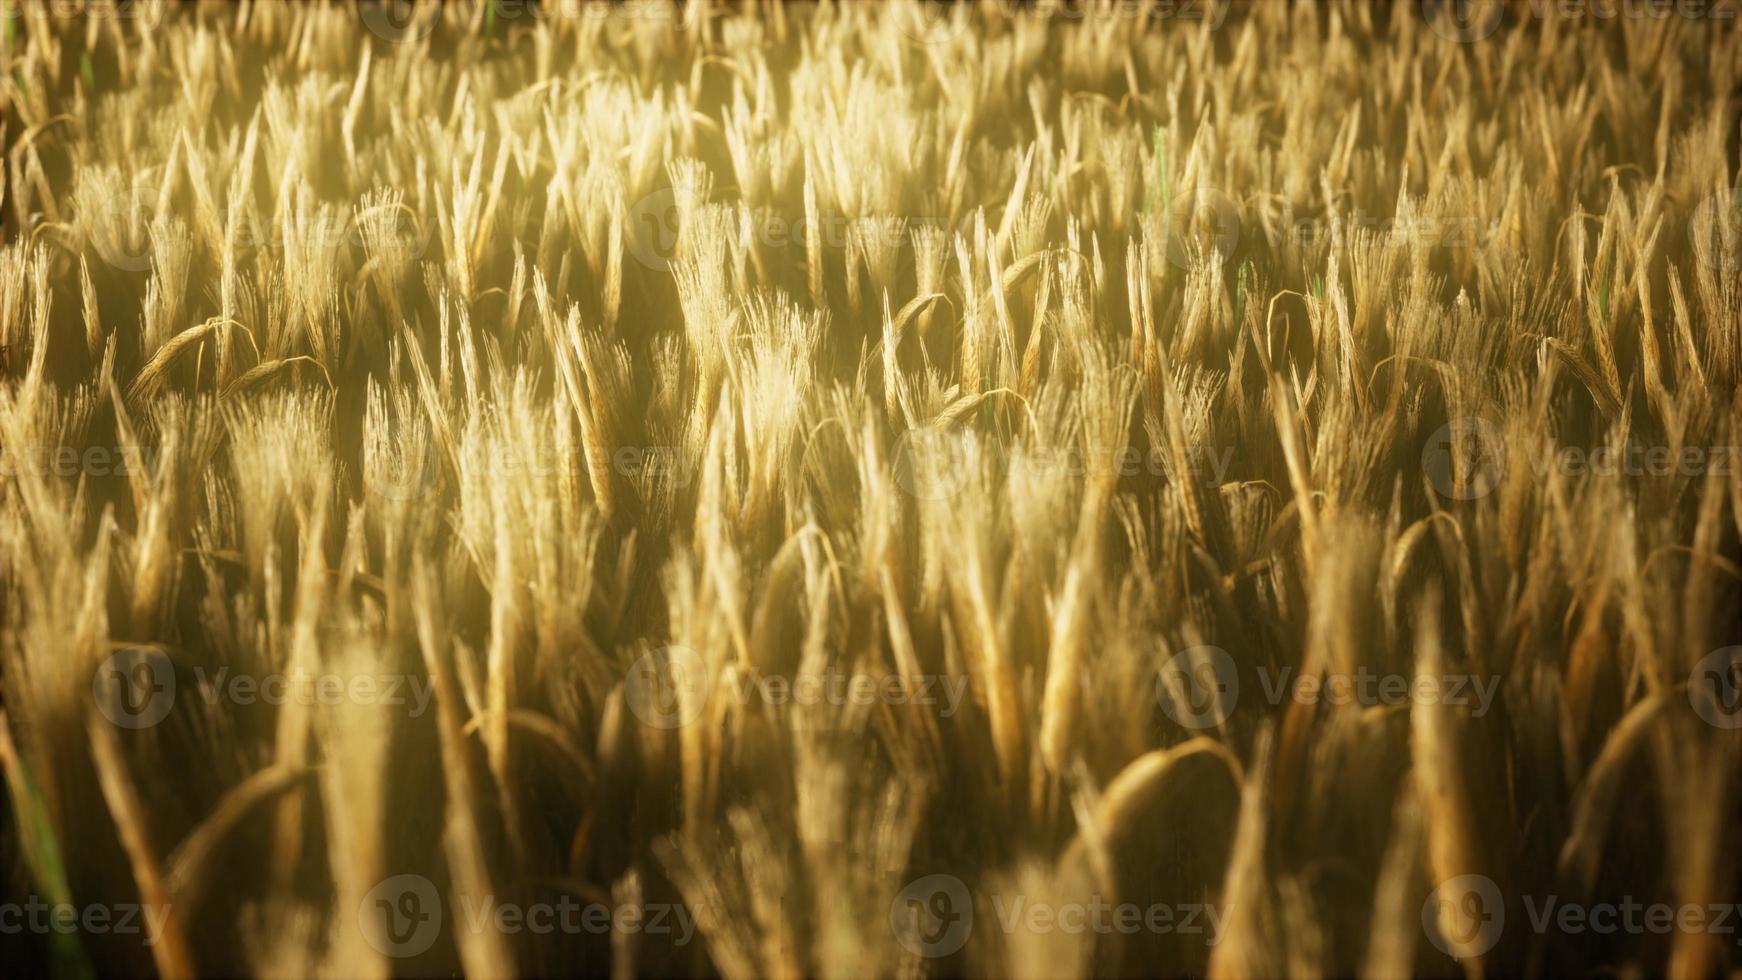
(1101, 488)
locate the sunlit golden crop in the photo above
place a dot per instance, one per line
(1092, 488)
